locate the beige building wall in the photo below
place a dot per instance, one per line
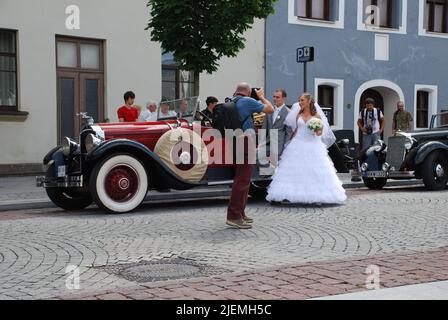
(248, 66)
(132, 62)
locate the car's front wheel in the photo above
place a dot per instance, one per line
(119, 183)
(67, 198)
(435, 171)
(375, 183)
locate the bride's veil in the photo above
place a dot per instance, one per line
(291, 119)
(328, 137)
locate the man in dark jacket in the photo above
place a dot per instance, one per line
(211, 104)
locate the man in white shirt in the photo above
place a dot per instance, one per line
(275, 121)
(149, 114)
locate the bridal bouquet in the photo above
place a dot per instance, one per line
(315, 125)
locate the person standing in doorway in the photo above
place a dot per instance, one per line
(372, 123)
(402, 119)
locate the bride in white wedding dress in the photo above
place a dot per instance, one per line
(306, 174)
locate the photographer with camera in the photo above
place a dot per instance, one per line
(371, 122)
(245, 107)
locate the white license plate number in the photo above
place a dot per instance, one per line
(62, 171)
(376, 174)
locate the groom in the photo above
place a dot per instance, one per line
(270, 151)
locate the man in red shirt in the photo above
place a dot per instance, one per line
(128, 113)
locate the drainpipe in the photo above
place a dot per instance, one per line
(265, 49)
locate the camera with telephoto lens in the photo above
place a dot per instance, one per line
(254, 94)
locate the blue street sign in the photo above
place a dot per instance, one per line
(305, 54)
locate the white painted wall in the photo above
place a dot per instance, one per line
(391, 99)
(132, 62)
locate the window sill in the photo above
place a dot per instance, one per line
(372, 28)
(316, 20)
(425, 33)
(13, 116)
(337, 24)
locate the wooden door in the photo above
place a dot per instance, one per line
(68, 105)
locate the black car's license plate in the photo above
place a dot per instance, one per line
(375, 174)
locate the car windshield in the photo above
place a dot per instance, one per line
(178, 109)
(440, 120)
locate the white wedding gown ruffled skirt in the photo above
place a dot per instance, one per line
(306, 173)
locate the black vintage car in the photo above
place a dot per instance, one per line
(415, 155)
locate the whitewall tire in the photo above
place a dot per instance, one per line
(119, 183)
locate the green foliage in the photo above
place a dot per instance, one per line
(201, 32)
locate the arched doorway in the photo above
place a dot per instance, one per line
(386, 95)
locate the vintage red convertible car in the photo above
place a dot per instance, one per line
(115, 165)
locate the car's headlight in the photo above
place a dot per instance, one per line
(409, 143)
(378, 146)
(91, 142)
(68, 146)
(364, 167)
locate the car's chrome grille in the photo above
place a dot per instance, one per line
(396, 152)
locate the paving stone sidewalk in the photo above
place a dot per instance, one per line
(293, 282)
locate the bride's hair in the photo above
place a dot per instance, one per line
(312, 101)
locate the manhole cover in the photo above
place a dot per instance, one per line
(162, 270)
(165, 270)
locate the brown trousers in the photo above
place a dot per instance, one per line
(241, 186)
(240, 191)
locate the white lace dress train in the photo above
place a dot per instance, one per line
(306, 173)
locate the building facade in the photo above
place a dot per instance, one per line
(389, 50)
(62, 57)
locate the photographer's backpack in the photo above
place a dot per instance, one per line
(225, 116)
(364, 115)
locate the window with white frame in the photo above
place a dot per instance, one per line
(425, 105)
(176, 83)
(313, 9)
(326, 101)
(380, 13)
(383, 15)
(422, 109)
(436, 12)
(442, 119)
(330, 96)
(319, 13)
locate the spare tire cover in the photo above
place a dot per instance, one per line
(184, 152)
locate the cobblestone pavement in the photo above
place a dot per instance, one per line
(305, 281)
(36, 246)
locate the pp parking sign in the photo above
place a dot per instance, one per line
(305, 54)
